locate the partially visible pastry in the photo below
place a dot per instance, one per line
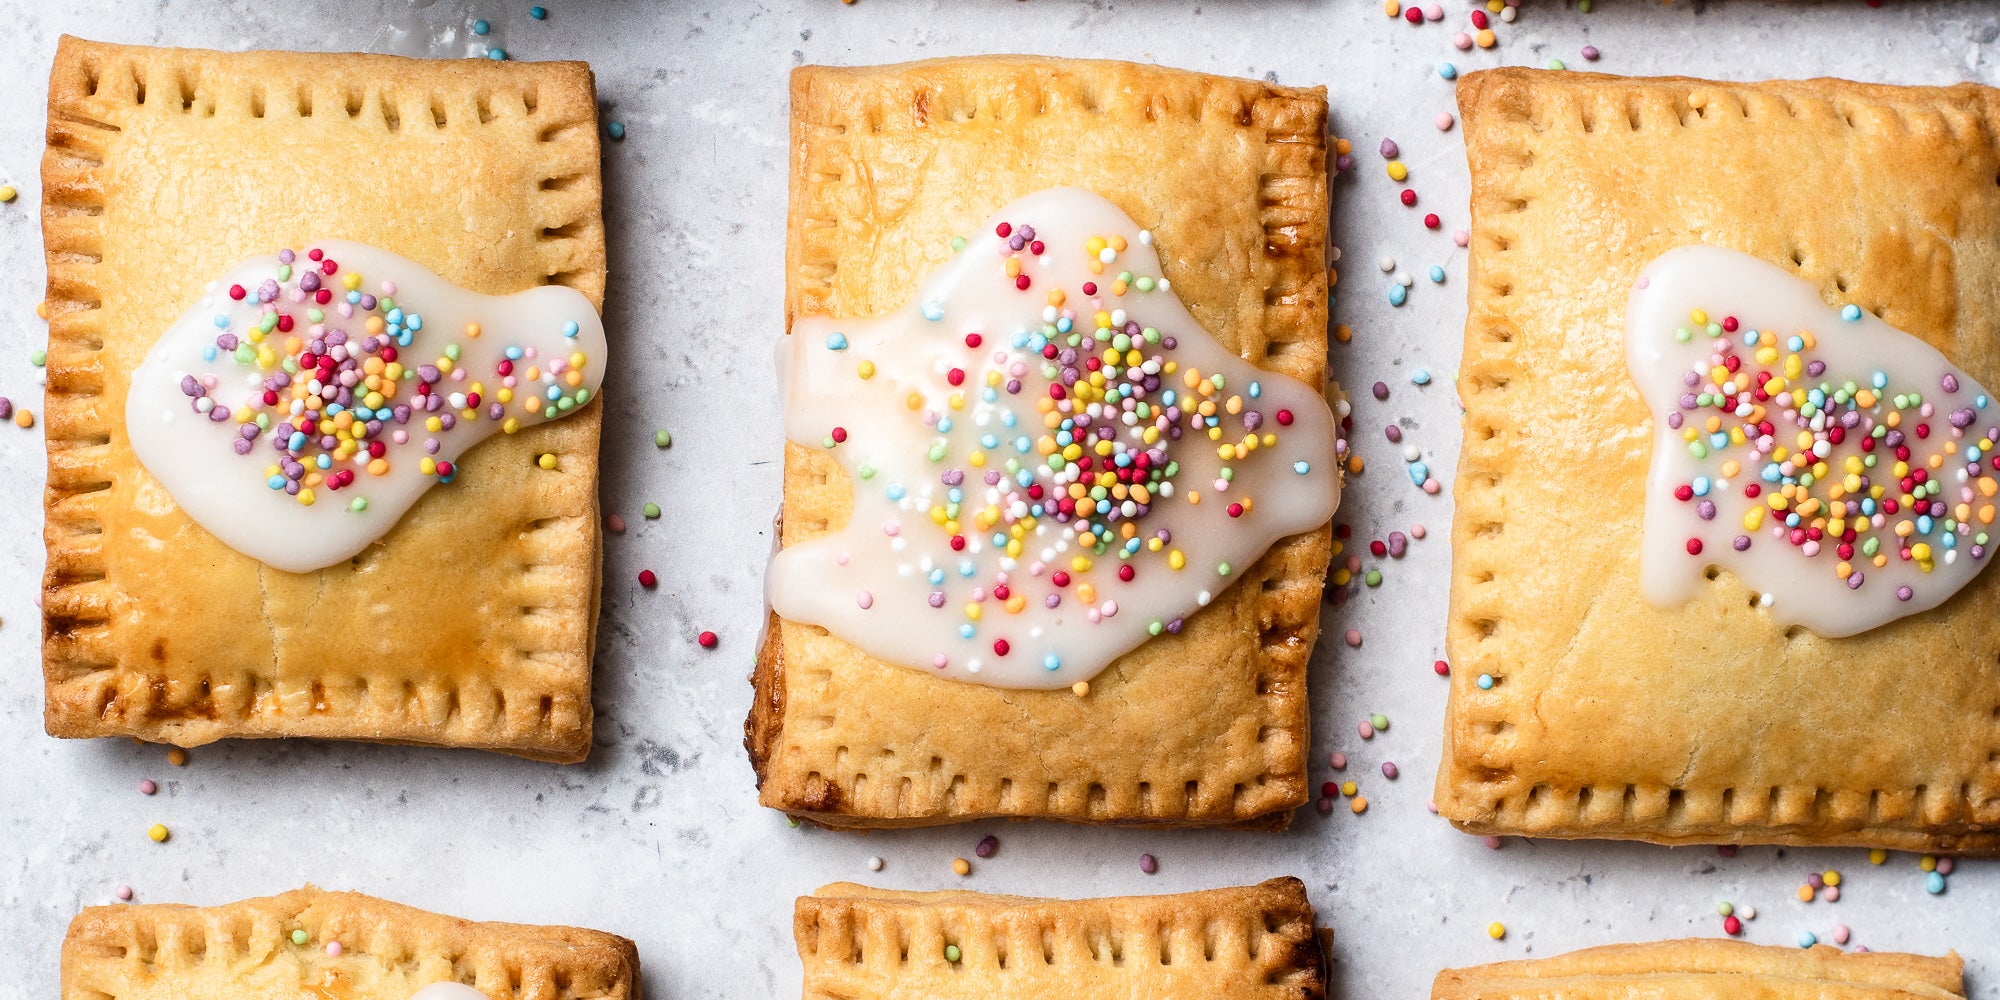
(1709, 969)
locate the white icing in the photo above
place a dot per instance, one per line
(228, 492)
(1804, 581)
(873, 582)
(448, 991)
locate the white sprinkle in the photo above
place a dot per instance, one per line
(875, 864)
(1387, 264)
(1411, 453)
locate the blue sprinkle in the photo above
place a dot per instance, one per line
(1448, 71)
(1051, 662)
(1934, 883)
(1485, 682)
(616, 130)
(1807, 940)
(570, 329)
(836, 342)
(933, 311)
(1850, 312)
(221, 321)
(1700, 485)
(1398, 295)
(1421, 376)
(539, 13)
(965, 631)
(208, 353)
(481, 27)
(1437, 275)
(936, 577)
(276, 482)
(324, 461)
(513, 354)
(1256, 389)
(1302, 467)
(1419, 472)
(496, 53)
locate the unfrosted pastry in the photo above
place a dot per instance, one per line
(972, 236)
(192, 591)
(1802, 654)
(310, 944)
(1250, 943)
(1708, 969)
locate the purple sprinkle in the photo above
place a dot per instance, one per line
(1169, 343)
(1590, 53)
(448, 420)
(1389, 770)
(1978, 551)
(1949, 382)
(992, 477)
(937, 598)
(219, 414)
(987, 845)
(1393, 433)
(1854, 580)
(226, 341)
(309, 282)
(1174, 627)
(1674, 421)
(367, 302)
(1690, 379)
(1902, 593)
(1381, 390)
(431, 446)
(1149, 864)
(1016, 242)
(1388, 149)
(402, 413)
(952, 477)
(1252, 420)
(292, 487)
(1688, 401)
(1961, 419)
(6, 407)
(1705, 510)
(1343, 163)
(1052, 601)
(1742, 543)
(242, 446)
(1398, 544)
(189, 386)
(286, 256)
(1815, 368)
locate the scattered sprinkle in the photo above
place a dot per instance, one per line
(647, 579)
(1496, 930)
(616, 130)
(1442, 668)
(158, 833)
(481, 27)
(1149, 864)
(1807, 939)
(1390, 771)
(1338, 760)
(148, 787)
(1590, 53)
(951, 952)
(38, 357)
(125, 893)
(299, 936)
(987, 845)
(1445, 121)
(1359, 805)
(651, 510)
(7, 193)
(333, 949)
(539, 13)
(875, 864)
(707, 640)
(662, 439)
(961, 866)
(177, 757)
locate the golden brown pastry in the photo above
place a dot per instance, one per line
(470, 623)
(1250, 942)
(1608, 716)
(309, 944)
(1206, 727)
(1708, 969)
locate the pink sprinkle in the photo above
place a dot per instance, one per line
(1432, 805)
(1431, 486)
(1945, 865)
(1643, 282)
(865, 600)
(1590, 53)
(1434, 12)
(1417, 531)
(1149, 864)
(1354, 638)
(1444, 121)
(1338, 760)
(614, 524)
(1367, 729)
(147, 787)
(1840, 933)
(1493, 843)
(1461, 237)
(125, 893)
(1461, 41)
(334, 949)
(1832, 894)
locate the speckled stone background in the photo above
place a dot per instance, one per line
(659, 836)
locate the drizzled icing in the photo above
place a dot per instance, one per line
(307, 401)
(1051, 459)
(1840, 466)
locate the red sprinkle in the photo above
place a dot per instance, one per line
(647, 579)
(1003, 230)
(1431, 221)
(1414, 15)
(973, 340)
(236, 292)
(706, 639)
(1125, 573)
(1694, 546)
(1236, 510)
(839, 435)
(1478, 21)
(1021, 282)
(1284, 418)
(1443, 669)
(1000, 647)
(1732, 926)
(1409, 197)
(1090, 288)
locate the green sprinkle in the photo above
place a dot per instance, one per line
(866, 472)
(661, 439)
(38, 357)
(957, 243)
(358, 504)
(1724, 908)
(1373, 578)
(1144, 284)
(651, 510)
(1221, 569)
(1557, 64)
(451, 351)
(830, 442)
(951, 953)
(300, 936)
(1380, 722)
(1155, 628)
(792, 821)
(284, 272)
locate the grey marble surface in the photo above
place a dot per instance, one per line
(659, 836)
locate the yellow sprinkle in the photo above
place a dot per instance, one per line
(1398, 172)
(1877, 856)
(158, 833)
(42, 309)
(1831, 877)
(1496, 930)
(547, 461)
(7, 193)
(1928, 862)
(305, 498)
(1348, 788)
